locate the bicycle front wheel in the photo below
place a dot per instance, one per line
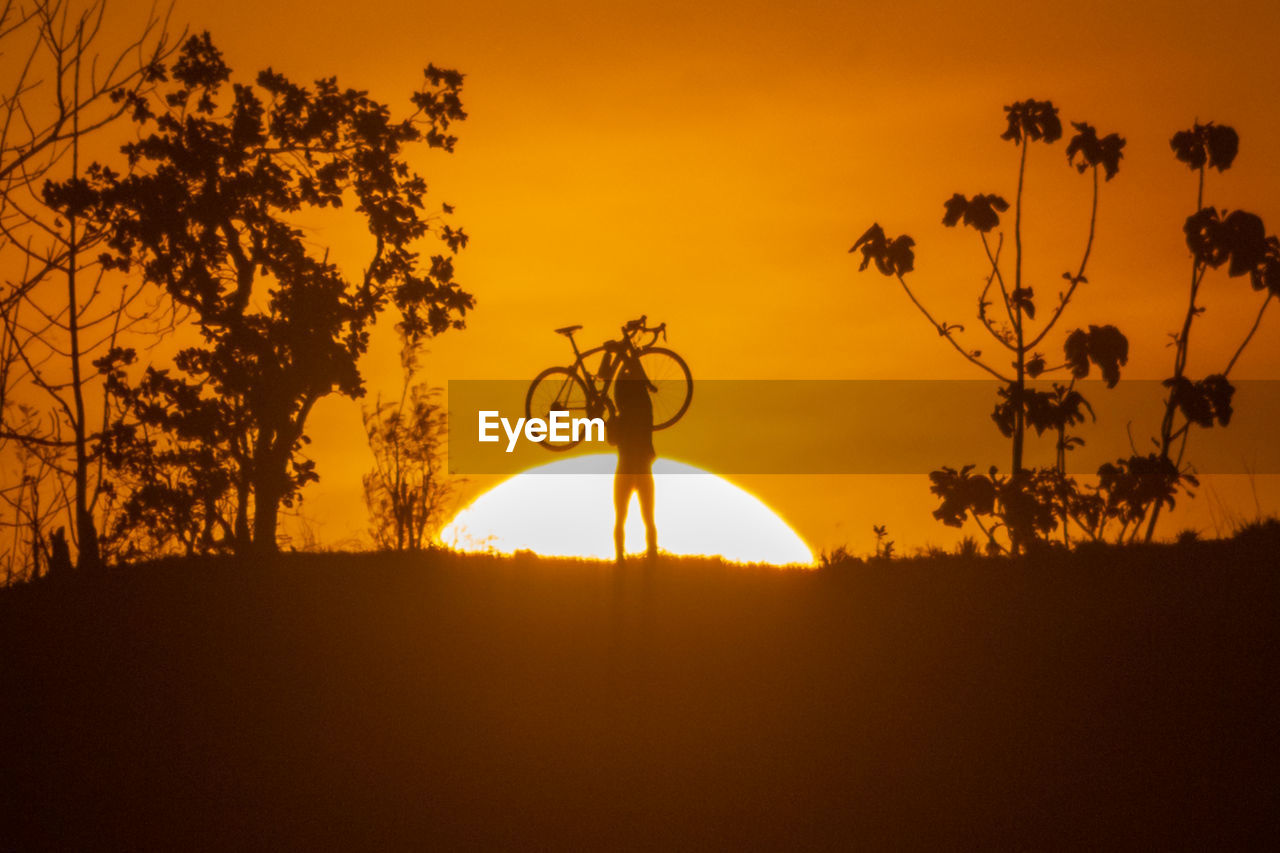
(668, 373)
(556, 389)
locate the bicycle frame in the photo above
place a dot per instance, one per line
(626, 351)
(553, 389)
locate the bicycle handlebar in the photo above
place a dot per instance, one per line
(638, 326)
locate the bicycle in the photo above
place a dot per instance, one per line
(583, 392)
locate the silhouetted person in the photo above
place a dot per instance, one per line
(632, 432)
(59, 553)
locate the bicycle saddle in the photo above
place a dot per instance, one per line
(567, 330)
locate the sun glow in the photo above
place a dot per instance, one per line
(560, 510)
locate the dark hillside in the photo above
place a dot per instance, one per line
(373, 702)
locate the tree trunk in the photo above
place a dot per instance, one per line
(270, 484)
(266, 514)
(243, 536)
(86, 532)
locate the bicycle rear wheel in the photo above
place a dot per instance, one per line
(670, 375)
(556, 389)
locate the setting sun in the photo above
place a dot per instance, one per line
(559, 509)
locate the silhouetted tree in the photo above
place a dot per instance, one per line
(207, 213)
(56, 309)
(884, 545)
(1239, 241)
(1016, 499)
(408, 491)
(34, 503)
(170, 466)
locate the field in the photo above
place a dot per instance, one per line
(1108, 697)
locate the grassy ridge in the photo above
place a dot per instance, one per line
(373, 701)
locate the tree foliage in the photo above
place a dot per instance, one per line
(207, 212)
(891, 256)
(1214, 145)
(1105, 347)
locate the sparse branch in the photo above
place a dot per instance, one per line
(68, 50)
(1076, 279)
(36, 440)
(946, 332)
(66, 91)
(1257, 321)
(994, 259)
(983, 302)
(985, 532)
(1017, 236)
(1181, 348)
(33, 371)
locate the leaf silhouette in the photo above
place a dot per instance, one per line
(1076, 349)
(1247, 241)
(1005, 413)
(984, 212)
(1188, 148)
(961, 493)
(955, 208)
(1239, 237)
(1057, 409)
(1072, 405)
(1204, 401)
(1182, 391)
(872, 242)
(1223, 144)
(981, 213)
(1040, 410)
(1105, 152)
(1267, 273)
(1109, 349)
(1023, 298)
(899, 258)
(891, 257)
(1104, 346)
(1219, 391)
(1204, 237)
(1037, 121)
(1133, 485)
(1214, 144)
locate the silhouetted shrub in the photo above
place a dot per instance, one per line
(1026, 505)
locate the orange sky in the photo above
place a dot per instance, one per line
(709, 164)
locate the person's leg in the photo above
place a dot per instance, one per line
(622, 488)
(644, 488)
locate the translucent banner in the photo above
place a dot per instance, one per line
(851, 427)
